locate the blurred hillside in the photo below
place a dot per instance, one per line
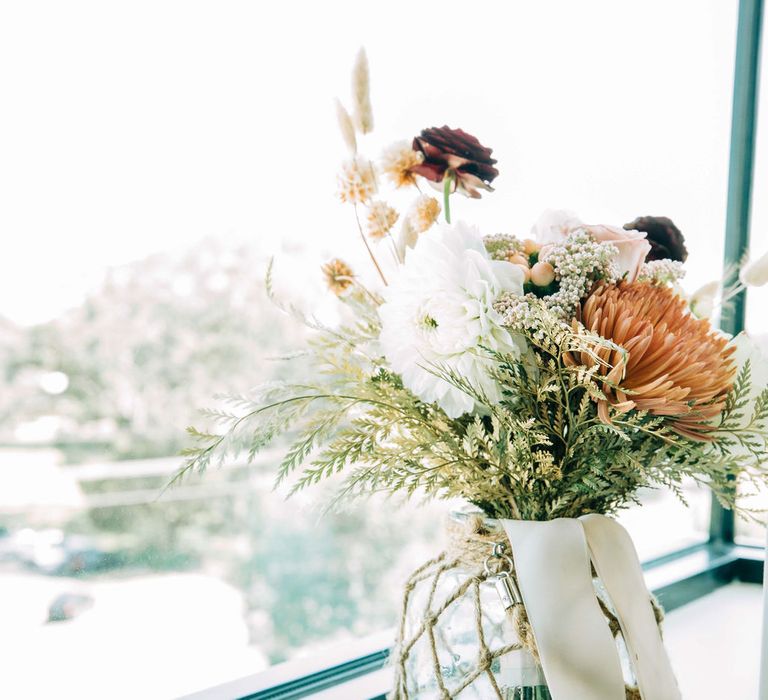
(127, 370)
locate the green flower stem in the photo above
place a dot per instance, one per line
(447, 182)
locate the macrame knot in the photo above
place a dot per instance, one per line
(524, 630)
(484, 660)
(471, 541)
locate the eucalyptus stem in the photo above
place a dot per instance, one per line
(447, 183)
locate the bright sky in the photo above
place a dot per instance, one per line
(131, 128)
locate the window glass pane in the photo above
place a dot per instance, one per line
(153, 159)
(757, 297)
(664, 523)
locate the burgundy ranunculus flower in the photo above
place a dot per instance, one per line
(667, 241)
(459, 154)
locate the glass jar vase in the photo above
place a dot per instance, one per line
(464, 634)
(457, 637)
(450, 653)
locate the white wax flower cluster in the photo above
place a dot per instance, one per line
(662, 271)
(578, 260)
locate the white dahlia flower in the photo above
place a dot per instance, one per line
(439, 314)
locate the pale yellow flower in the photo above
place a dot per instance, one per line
(424, 213)
(381, 219)
(338, 276)
(397, 163)
(357, 181)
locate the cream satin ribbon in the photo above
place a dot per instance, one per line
(577, 650)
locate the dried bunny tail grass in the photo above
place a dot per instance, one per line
(361, 97)
(346, 127)
(702, 301)
(668, 362)
(755, 273)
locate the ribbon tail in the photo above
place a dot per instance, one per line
(577, 651)
(618, 567)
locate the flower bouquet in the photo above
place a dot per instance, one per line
(542, 379)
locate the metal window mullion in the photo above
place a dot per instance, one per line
(740, 178)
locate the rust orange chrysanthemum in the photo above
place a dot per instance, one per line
(672, 363)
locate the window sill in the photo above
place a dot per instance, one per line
(356, 669)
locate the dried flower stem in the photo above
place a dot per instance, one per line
(398, 257)
(731, 292)
(447, 182)
(376, 300)
(394, 256)
(731, 287)
(368, 248)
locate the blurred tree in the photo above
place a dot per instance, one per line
(145, 351)
(12, 393)
(156, 341)
(312, 580)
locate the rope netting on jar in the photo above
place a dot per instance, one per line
(470, 545)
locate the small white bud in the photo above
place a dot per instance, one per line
(755, 273)
(702, 301)
(346, 127)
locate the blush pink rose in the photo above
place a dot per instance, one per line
(554, 226)
(632, 246)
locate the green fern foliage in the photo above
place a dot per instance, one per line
(539, 453)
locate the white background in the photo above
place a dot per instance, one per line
(129, 128)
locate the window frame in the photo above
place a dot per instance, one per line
(746, 85)
(677, 578)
